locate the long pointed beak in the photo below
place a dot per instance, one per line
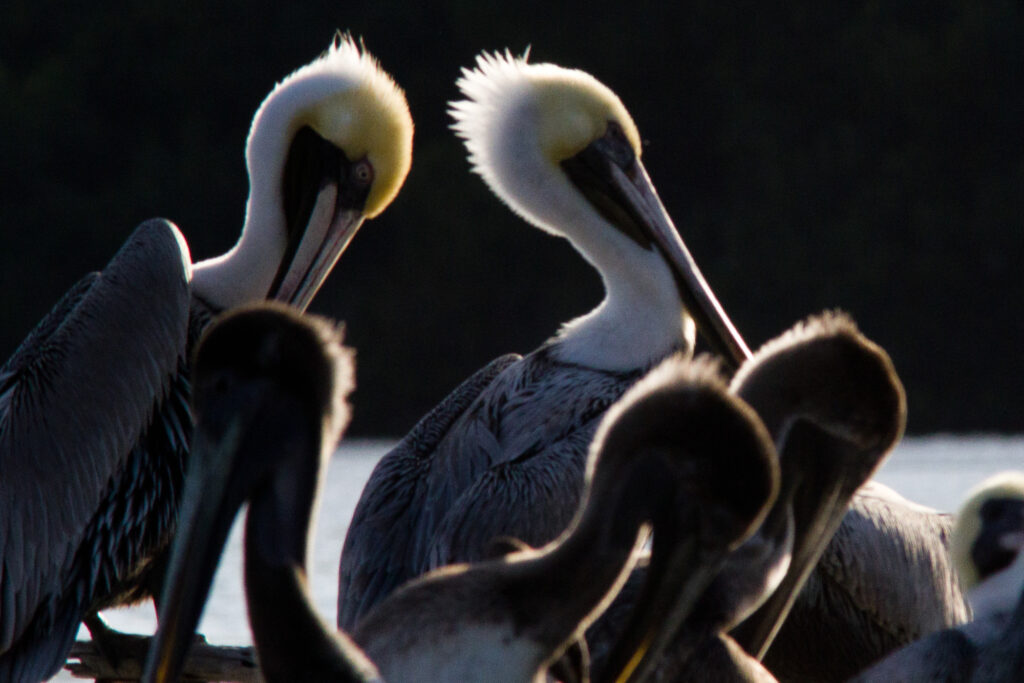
(210, 504)
(698, 298)
(329, 232)
(830, 471)
(614, 181)
(676, 578)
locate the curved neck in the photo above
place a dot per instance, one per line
(291, 640)
(569, 583)
(641, 319)
(245, 273)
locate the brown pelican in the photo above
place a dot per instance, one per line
(665, 457)
(269, 389)
(94, 417)
(835, 407)
(504, 455)
(883, 580)
(986, 547)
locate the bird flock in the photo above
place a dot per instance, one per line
(607, 507)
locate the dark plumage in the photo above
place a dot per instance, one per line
(451, 505)
(93, 458)
(270, 388)
(663, 456)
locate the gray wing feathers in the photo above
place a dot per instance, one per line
(544, 416)
(74, 399)
(884, 580)
(423, 439)
(879, 540)
(504, 502)
(385, 516)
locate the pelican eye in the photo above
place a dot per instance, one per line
(618, 146)
(616, 133)
(362, 173)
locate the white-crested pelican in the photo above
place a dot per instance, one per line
(504, 455)
(94, 417)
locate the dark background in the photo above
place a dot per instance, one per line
(861, 155)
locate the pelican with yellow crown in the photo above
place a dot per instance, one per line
(504, 454)
(94, 405)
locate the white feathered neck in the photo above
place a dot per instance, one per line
(519, 121)
(348, 100)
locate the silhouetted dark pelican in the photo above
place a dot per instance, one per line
(666, 457)
(94, 416)
(504, 454)
(269, 390)
(882, 581)
(835, 407)
(986, 546)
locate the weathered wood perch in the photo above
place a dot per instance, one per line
(205, 663)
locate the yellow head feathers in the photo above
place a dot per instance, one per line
(347, 99)
(1009, 484)
(567, 108)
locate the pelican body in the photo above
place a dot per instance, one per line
(95, 424)
(884, 581)
(505, 453)
(662, 460)
(986, 547)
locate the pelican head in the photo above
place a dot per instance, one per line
(988, 539)
(560, 149)
(330, 146)
(825, 371)
(269, 389)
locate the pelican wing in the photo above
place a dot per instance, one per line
(504, 502)
(74, 399)
(539, 406)
(384, 518)
(537, 418)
